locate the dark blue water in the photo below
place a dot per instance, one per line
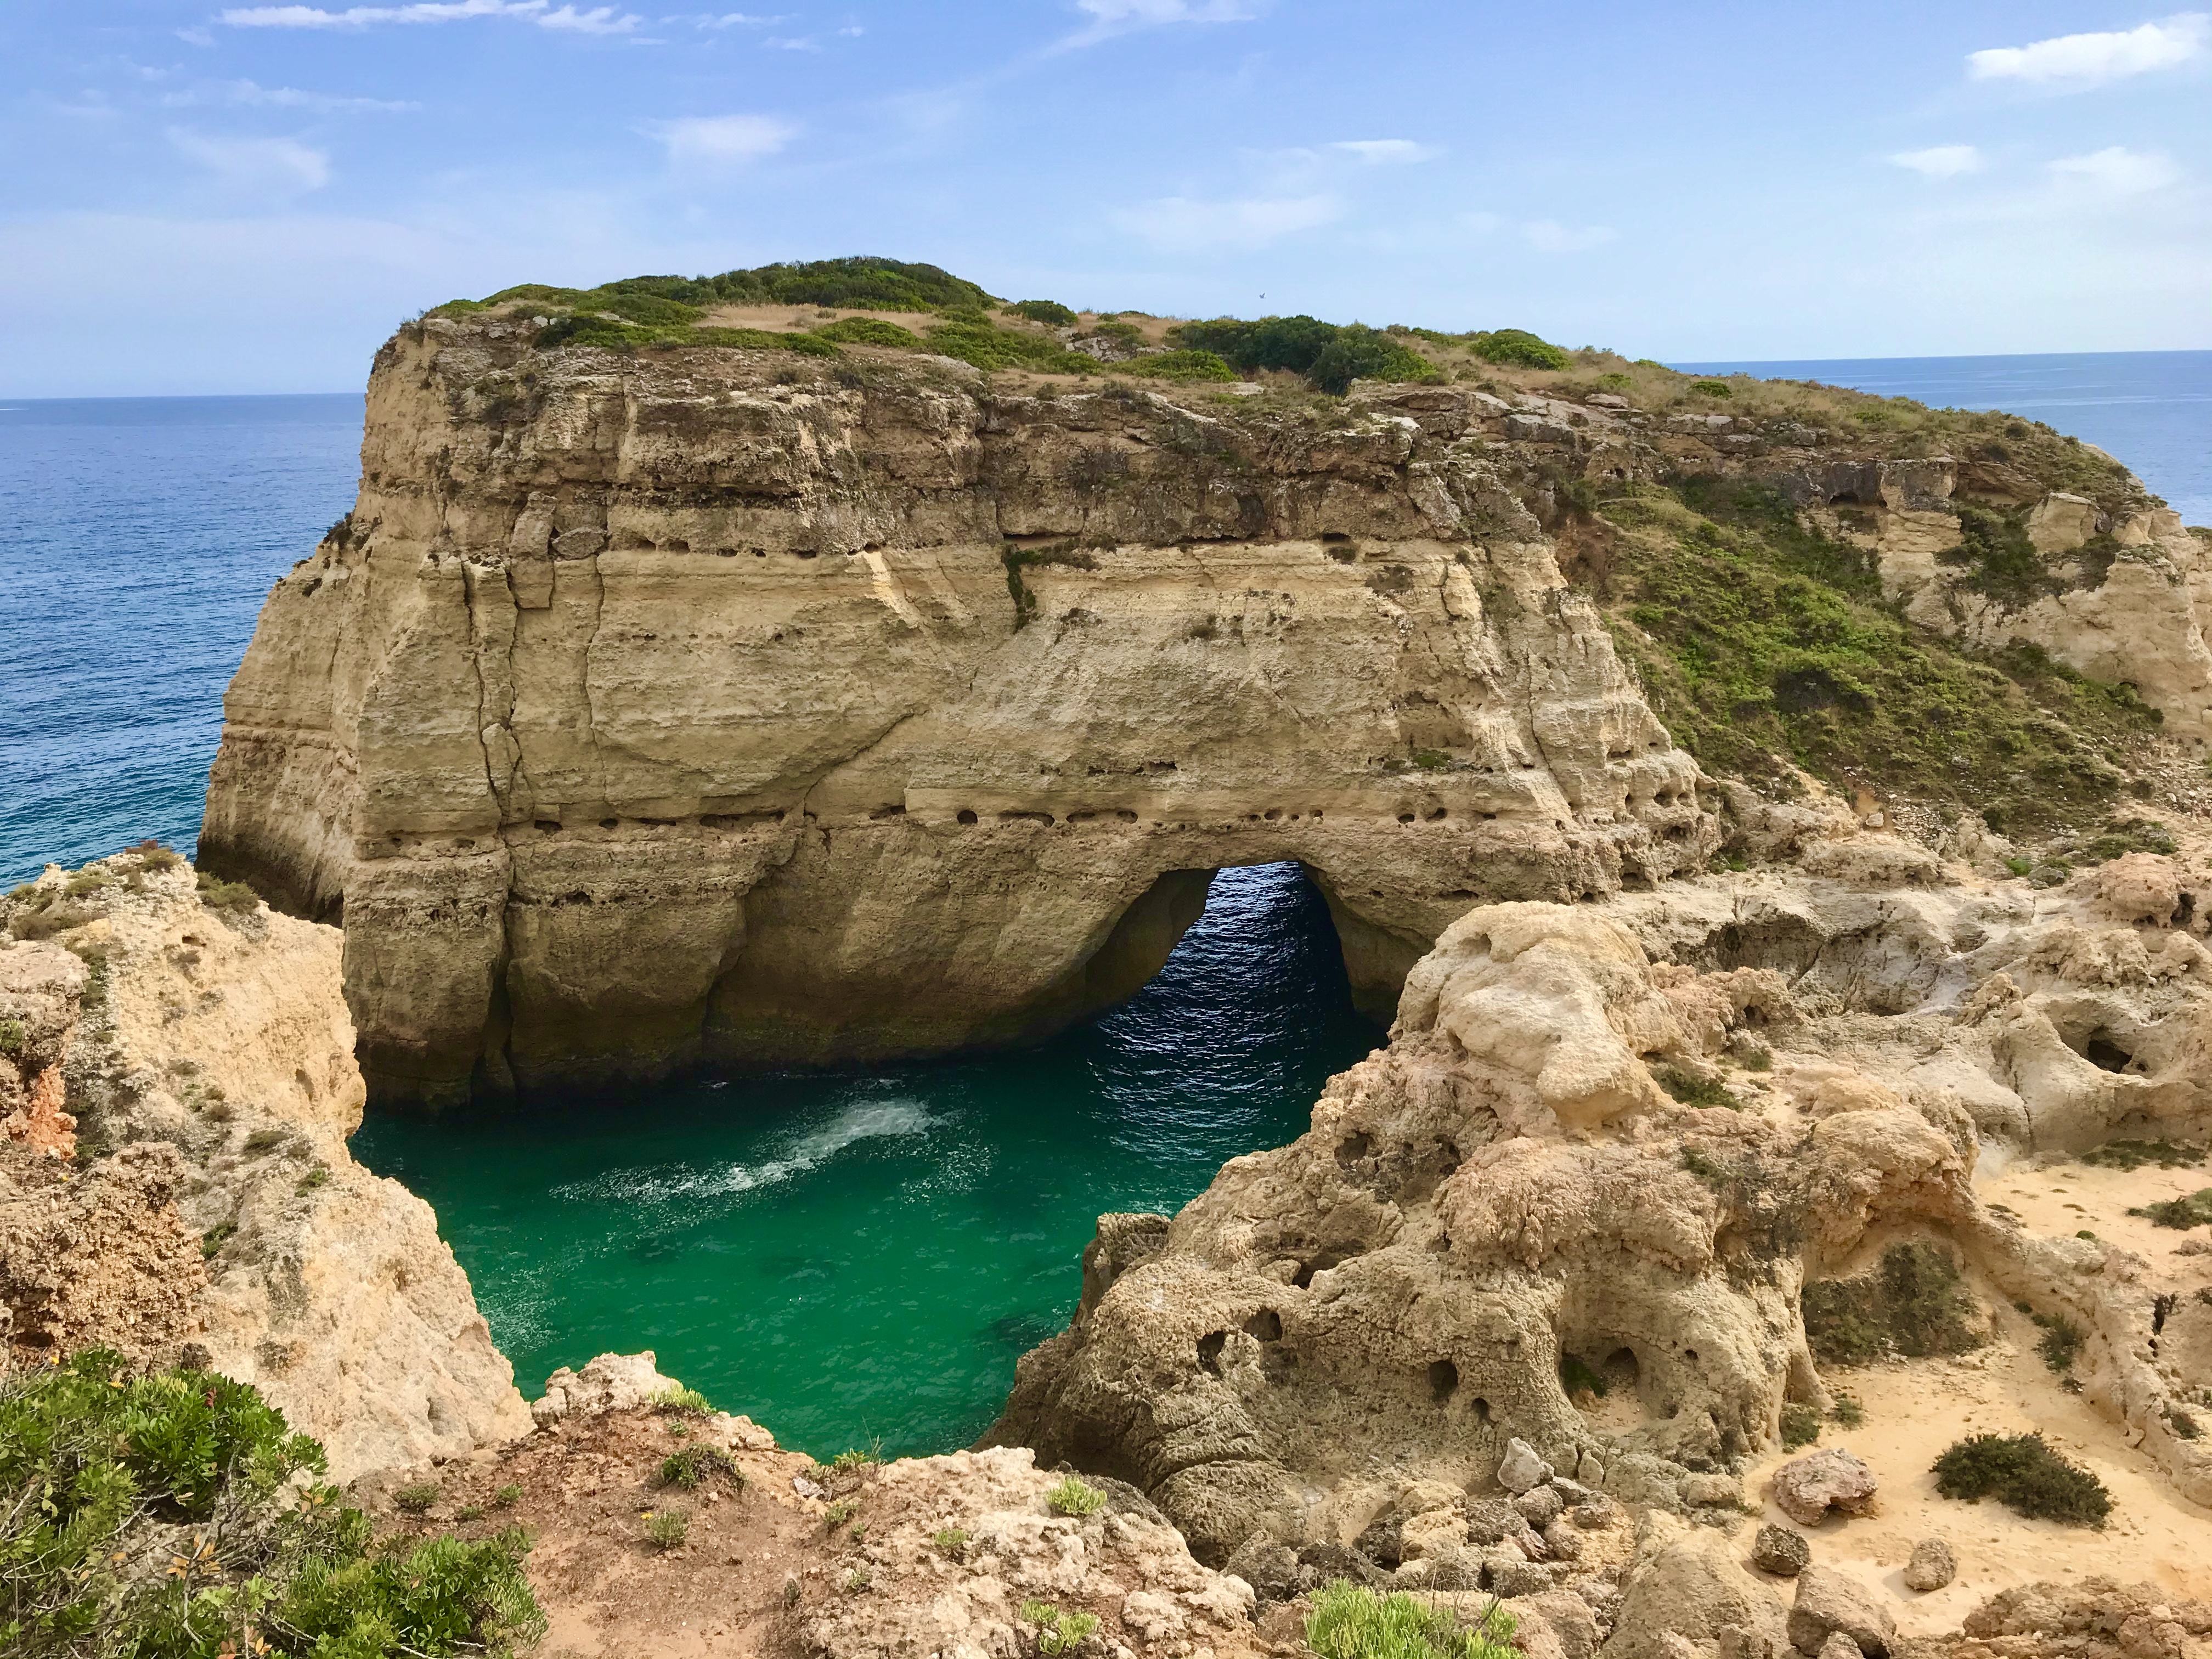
(2152, 409)
(138, 537)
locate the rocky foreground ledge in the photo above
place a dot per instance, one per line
(1524, 1315)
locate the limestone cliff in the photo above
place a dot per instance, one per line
(197, 1061)
(696, 705)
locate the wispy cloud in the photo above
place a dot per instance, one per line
(2117, 170)
(264, 167)
(1182, 224)
(597, 20)
(1550, 236)
(729, 19)
(1944, 162)
(1112, 17)
(2075, 61)
(1381, 151)
(246, 95)
(721, 141)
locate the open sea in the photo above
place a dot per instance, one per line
(844, 1257)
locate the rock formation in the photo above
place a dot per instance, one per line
(1615, 1141)
(196, 1060)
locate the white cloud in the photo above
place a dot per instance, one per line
(2117, 171)
(599, 20)
(1550, 236)
(721, 141)
(1112, 17)
(731, 20)
(1944, 162)
(1374, 151)
(273, 167)
(852, 28)
(248, 94)
(790, 43)
(2089, 60)
(1179, 222)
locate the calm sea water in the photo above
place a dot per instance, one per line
(2152, 409)
(845, 1257)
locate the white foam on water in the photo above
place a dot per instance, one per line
(865, 1120)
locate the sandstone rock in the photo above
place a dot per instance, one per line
(1684, 1584)
(1932, 1566)
(1828, 1604)
(1522, 1468)
(1706, 1489)
(1840, 1646)
(610, 1383)
(1538, 1505)
(1781, 1552)
(1270, 1569)
(1807, 1487)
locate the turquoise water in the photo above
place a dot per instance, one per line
(847, 1258)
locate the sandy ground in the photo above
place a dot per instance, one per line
(1916, 1409)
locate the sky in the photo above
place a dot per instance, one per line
(201, 197)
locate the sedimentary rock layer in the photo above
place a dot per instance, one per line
(695, 705)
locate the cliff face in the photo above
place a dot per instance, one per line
(685, 706)
(187, 1181)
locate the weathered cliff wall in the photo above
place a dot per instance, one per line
(187, 1181)
(697, 705)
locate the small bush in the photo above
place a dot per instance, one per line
(1348, 1622)
(213, 1239)
(869, 330)
(859, 1579)
(469, 1512)
(417, 1499)
(2061, 1343)
(953, 1540)
(1576, 1377)
(1800, 1426)
(155, 856)
(87, 881)
(1913, 1305)
(1073, 1496)
(1044, 311)
(853, 1457)
(677, 1400)
(1058, 1632)
(507, 1496)
(12, 1035)
(1518, 346)
(317, 1177)
(263, 1139)
(234, 897)
(2023, 1471)
(837, 1514)
(1179, 366)
(2192, 1210)
(1848, 1412)
(1710, 388)
(1692, 1090)
(667, 1528)
(2134, 1154)
(694, 1465)
(54, 917)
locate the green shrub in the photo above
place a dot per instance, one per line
(507, 1496)
(760, 339)
(1800, 1426)
(1711, 388)
(53, 917)
(854, 1457)
(869, 330)
(1179, 366)
(213, 1239)
(417, 1499)
(1076, 1496)
(87, 881)
(953, 1540)
(12, 1035)
(1058, 1632)
(985, 346)
(1848, 1412)
(175, 1516)
(1348, 1622)
(1360, 353)
(1692, 1090)
(2023, 1471)
(2061, 1342)
(1518, 347)
(677, 1400)
(1913, 1305)
(837, 1514)
(317, 1177)
(234, 896)
(1044, 311)
(1331, 356)
(694, 1464)
(2191, 1210)
(155, 856)
(667, 1528)
(1576, 1377)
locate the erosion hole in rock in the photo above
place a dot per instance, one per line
(2106, 1056)
(1209, 1351)
(1621, 1372)
(1443, 1381)
(1481, 1409)
(1265, 1326)
(1354, 1148)
(1321, 1263)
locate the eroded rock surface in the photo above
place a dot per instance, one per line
(205, 1058)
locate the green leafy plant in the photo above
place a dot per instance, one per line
(1576, 1377)
(2191, 1210)
(1074, 1495)
(1348, 1622)
(1711, 388)
(213, 1238)
(507, 1496)
(855, 1457)
(694, 1465)
(868, 331)
(1193, 366)
(837, 1514)
(2027, 1475)
(232, 897)
(987, 346)
(317, 1177)
(12, 1035)
(174, 1515)
(469, 1512)
(1044, 311)
(1801, 1425)
(2061, 1342)
(1058, 1632)
(953, 1540)
(665, 1529)
(417, 1499)
(1690, 1088)
(1914, 1304)
(1848, 1411)
(676, 1400)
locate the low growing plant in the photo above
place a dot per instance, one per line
(667, 1528)
(2027, 1475)
(1914, 1304)
(694, 1465)
(1801, 1425)
(417, 1499)
(953, 1540)
(2191, 1210)
(1074, 1495)
(676, 1400)
(1348, 1622)
(1058, 1632)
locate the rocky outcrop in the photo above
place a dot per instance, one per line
(1612, 1142)
(207, 1064)
(704, 704)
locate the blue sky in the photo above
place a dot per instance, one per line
(210, 198)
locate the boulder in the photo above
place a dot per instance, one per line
(1540, 1506)
(1807, 1487)
(1781, 1552)
(1932, 1566)
(1684, 1583)
(1522, 1468)
(611, 1382)
(1829, 1604)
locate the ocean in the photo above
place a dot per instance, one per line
(742, 1227)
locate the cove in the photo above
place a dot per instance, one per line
(853, 1258)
